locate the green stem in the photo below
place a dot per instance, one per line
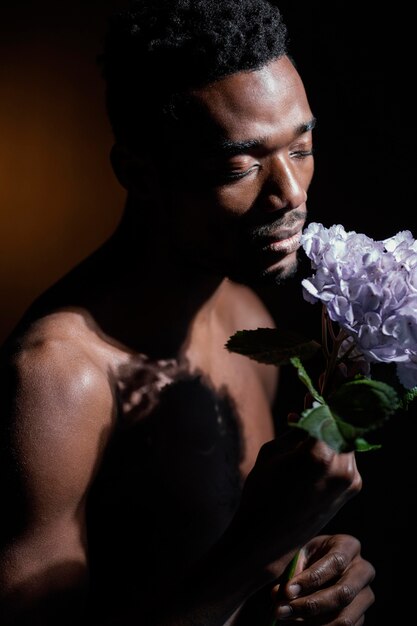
(287, 575)
(292, 567)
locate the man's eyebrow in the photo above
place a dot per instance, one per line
(226, 147)
(306, 127)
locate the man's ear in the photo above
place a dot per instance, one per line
(130, 169)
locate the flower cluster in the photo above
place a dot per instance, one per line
(368, 293)
(370, 289)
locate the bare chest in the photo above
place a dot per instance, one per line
(188, 433)
(206, 390)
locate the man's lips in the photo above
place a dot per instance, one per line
(284, 243)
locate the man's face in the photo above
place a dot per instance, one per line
(238, 189)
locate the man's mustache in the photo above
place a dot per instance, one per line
(288, 220)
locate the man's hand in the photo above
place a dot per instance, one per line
(295, 488)
(331, 584)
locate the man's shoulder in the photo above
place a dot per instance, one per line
(57, 412)
(55, 359)
(51, 334)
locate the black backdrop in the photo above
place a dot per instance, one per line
(358, 68)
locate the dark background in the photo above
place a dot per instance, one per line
(59, 199)
(358, 69)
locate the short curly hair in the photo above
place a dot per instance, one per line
(158, 50)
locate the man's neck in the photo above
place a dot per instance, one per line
(156, 288)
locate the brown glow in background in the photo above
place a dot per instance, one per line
(59, 198)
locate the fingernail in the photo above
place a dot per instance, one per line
(284, 611)
(294, 590)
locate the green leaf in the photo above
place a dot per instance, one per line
(272, 346)
(364, 404)
(321, 424)
(363, 446)
(305, 378)
(408, 397)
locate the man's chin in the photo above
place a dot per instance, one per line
(275, 274)
(280, 275)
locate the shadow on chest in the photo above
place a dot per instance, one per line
(170, 483)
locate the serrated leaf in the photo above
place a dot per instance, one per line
(271, 345)
(320, 423)
(363, 403)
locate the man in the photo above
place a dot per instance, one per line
(142, 481)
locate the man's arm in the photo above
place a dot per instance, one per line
(56, 409)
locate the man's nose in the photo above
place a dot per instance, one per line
(284, 186)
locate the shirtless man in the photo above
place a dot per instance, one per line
(142, 482)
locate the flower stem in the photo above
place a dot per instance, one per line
(287, 575)
(325, 343)
(332, 359)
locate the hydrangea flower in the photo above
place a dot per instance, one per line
(370, 289)
(368, 292)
